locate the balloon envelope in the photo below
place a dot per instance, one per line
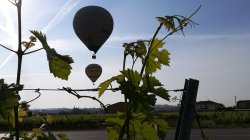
(93, 26)
(93, 71)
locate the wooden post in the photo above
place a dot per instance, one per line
(188, 111)
(178, 124)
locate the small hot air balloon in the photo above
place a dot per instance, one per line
(93, 71)
(93, 26)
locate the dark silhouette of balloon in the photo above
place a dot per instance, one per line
(93, 71)
(93, 26)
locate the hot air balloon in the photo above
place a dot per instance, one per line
(93, 26)
(93, 71)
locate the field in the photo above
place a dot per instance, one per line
(215, 119)
(81, 122)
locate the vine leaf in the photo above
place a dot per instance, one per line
(156, 57)
(162, 92)
(8, 99)
(104, 85)
(114, 128)
(132, 76)
(29, 44)
(150, 82)
(143, 130)
(161, 127)
(59, 65)
(141, 51)
(21, 113)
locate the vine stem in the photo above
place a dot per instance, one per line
(19, 66)
(7, 48)
(126, 122)
(178, 28)
(33, 51)
(124, 67)
(149, 49)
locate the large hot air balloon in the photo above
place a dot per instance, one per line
(93, 26)
(93, 71)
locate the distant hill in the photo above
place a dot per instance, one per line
(165, 107)
(66, 111)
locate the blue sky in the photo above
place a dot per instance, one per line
(216, 52)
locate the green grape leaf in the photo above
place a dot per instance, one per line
(141, 50)
(11, 117)
(115, 126)
(150, 82)
(163, 57)
(113, 134)
(11, 102)
(28, 45)
(21, 114)
(8, 100)
(161, 127)
(156, 57)
(168, 22)
(132, 76)
(149, 99)
(59, 65)
(104, 85)
(142, 130)
(162, 92)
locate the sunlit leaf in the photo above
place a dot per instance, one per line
(168, 22)
(164, 57)
(141, 50)
(104, 85)
(21, 113)
(59, 65)
(156, 57)
(133, 76)
(28, 45)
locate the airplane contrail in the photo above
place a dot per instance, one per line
(67, 7)
(10, 30)
(6, 60)
(9, 27)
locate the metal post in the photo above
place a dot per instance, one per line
(178, 124)
(188, 111)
